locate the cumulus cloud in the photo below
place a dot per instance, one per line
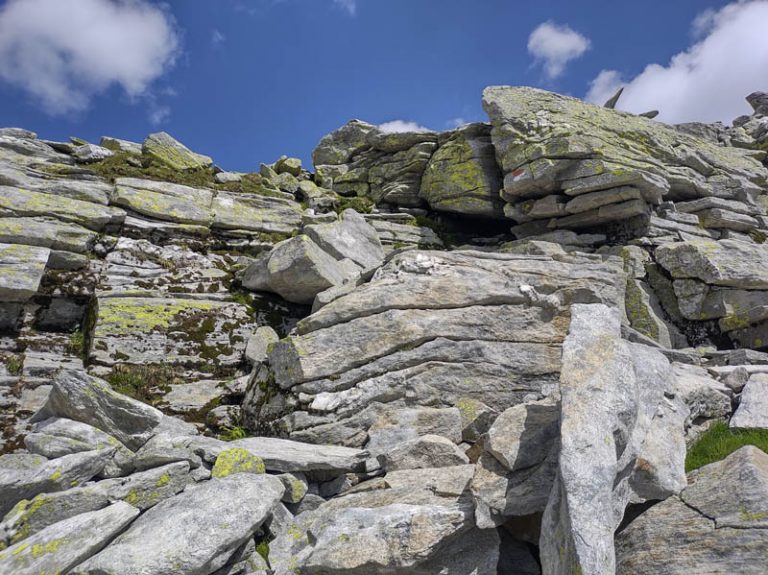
(348, 5)
(708, 81)
(64, 53)
(554, 46)
(397, 126)
(455, 123)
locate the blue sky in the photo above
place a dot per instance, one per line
(248, 80)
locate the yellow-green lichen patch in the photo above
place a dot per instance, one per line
(131, 315)
(237, 460)
(163, 480)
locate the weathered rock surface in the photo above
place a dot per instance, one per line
(164, 149)
(194, 532)
(621, 440)
(87, 399)
(717, 525)
(62, 546)
(753, 407)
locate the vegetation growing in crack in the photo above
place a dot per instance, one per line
(719, 441)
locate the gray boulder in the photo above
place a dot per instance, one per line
(61, 547)
(22, 476)
(717, 525)
(78, 396)
(753, 408)
(299, 269)
(621, 440)
(350, 238)
(163, 149)
(195, 532)
(423, 452)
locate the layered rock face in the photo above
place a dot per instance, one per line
(485, 351)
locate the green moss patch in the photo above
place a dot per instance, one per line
(719, 441)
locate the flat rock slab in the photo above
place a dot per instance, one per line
(21, 270)
(143, 330)
(727, 263)
(195, 532)
(64, 545)
(23, 476)
(286, 456)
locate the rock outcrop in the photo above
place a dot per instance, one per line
(492, 350)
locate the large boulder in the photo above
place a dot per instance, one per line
(81, 397)
(595, 166)
(462, 176)
(432, 329)
(621, 441)
(164, 149)
(195, 532)
(64, 545)
(716, 525)
(413, 521)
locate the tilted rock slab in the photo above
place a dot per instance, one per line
(82, 397)
(621, 440)
(64, 545)
(195, 532)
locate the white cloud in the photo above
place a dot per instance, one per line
(553, 46)
(397, 126)
(708, 81)
(348, 5)
(64, 53)
(217, 37)
(158, 114)
(457, 123)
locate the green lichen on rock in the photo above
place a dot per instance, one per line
(462, 177)
(237, 460)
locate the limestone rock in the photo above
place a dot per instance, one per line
(89, 153)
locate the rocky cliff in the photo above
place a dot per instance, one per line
(534, 345)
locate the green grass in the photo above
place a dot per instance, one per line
(359, 204)
(123, 165)
(263, 550)
(141, 382)
(719, 441)
(233, 434)
(76, 344)
(14, 364)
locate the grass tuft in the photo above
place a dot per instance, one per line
(233, 434)
(719, 441)
(142, 382)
